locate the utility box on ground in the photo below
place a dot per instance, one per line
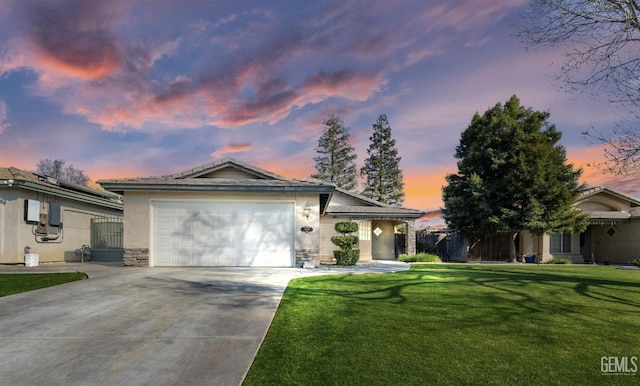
(31, 259)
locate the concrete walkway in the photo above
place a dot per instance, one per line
(142, 326)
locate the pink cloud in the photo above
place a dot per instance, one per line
(71, 61)
(348, 84)
(232, 148)
(4, 116)
(87, 63)
(465, 15)
(75, 41)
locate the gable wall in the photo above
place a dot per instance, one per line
(594, 206)
(231, 173)
(604, 200)
(339, 199)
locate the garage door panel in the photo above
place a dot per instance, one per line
(163, 257)
(203, 259)
(185, 242)
(224, 234)
(164, 243)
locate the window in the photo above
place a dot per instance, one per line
(364, 230)
(560, 243)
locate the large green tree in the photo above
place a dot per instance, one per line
(335, 160)
(382, 167)
(512, 175)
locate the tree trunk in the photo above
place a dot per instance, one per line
(512, 246)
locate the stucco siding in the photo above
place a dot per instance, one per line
(618, 243)
(339, 199)
(137, 217)
(231, 173)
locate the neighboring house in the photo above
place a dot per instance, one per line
(51, 217)
(613, 235)
(229, 213)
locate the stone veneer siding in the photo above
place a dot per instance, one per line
(411, 237)
(312, 255)
(136, 257)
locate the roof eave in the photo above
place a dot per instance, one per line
(374, 215)
(27, 185)
(121, 188)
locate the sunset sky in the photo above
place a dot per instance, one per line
(124, 88)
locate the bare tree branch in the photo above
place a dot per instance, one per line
(602, 42)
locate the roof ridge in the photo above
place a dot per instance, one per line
(212, 166)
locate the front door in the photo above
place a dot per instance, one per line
(382, 240)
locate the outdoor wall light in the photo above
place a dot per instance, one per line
(306, 212)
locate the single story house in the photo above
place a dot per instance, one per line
(613, 235)
(229, 213)
(51, 217)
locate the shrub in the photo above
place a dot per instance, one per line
(557, 260)
(348, 253)
(345, 242)
(347, 257)
(636, 262)
(420, 258)
(346, 227)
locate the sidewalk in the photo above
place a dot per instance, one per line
(93, 269)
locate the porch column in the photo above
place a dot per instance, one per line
(410, 240)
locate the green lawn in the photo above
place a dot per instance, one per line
(454, 324)
(14, 283)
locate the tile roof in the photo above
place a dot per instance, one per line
(192, 180)
(374, 211)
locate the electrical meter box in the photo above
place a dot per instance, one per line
(31, 211)
(54, 214)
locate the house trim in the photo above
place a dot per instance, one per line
(65, 193)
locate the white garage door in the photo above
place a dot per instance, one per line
(238, 234)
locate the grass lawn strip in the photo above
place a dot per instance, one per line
(454, 324)
(13, 283)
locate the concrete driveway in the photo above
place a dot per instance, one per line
(140, 326)
(129, 326)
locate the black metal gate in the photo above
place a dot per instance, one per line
(400, 244)
(107, 238)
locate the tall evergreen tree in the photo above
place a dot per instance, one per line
(512, 175)
(382, 168)
(335, 160)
